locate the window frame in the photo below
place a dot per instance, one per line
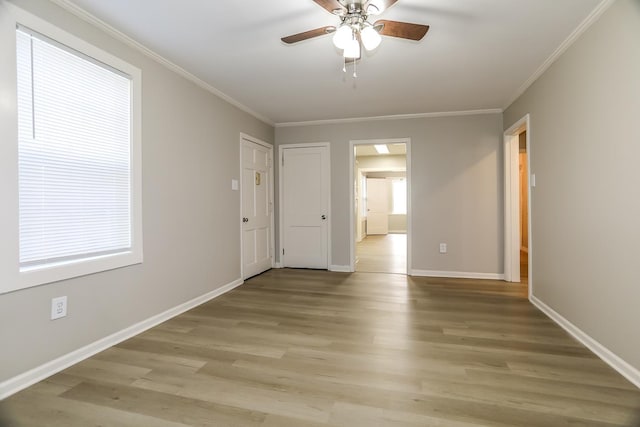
(11, 276)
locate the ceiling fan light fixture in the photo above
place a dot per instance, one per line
(375, 7)
(352, 49)
(343, 37)
(370, 38)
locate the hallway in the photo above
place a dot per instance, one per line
(382, 254)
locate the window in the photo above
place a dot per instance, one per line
(399, 192)
(78, 158)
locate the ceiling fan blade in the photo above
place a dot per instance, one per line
(308, 34)
(403, 30)
(376, 7)
(330, 5)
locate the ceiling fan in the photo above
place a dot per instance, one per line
(355, 31)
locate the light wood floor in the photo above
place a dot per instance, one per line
(382, 254)
(313, 348)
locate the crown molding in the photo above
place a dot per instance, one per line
(394, 117)
(100, 24)
(569, 41)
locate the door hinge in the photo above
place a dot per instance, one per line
(282, 159)
(283, 252)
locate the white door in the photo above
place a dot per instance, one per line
(377, 206)
(305, 208)
(257, 208)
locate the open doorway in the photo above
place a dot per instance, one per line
(523, 162)
(380, 206)
(518, 184)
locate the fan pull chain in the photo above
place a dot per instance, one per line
(344, 65)
(355, 68)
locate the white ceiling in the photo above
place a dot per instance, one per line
(477, 55)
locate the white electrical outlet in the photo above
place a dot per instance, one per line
(58, 307)
(443, 248)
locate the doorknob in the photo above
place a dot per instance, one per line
(245, 219)
(323, 217)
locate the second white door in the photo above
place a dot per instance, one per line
(305, 208)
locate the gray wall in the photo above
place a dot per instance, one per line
(190, 217)
(456, 179)
(585, 148)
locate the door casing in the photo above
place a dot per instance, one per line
(245, 137)
(352, 195)
(512, 202)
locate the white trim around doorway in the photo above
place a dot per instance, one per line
(245, 137)
(352, 214)
(512, 202)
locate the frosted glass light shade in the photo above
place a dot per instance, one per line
(370, 38)
(342, 36)
(352, 50)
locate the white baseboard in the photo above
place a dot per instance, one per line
(610, 358)
(340, 268)
(26, 379)
(457, 274)
(277, 265)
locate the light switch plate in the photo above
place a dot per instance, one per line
(234, 184)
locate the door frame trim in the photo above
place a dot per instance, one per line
(512, 202)
(249, 138)
(352, 195)
(281, 149)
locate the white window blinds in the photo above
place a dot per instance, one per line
(74, 131)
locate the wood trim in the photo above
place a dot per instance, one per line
(118, 35)
(457, 274)
(351, 177)
(512, 202)
(249, 138)
(566, 44)
(391, 117)
(616, 362)
(32, 376)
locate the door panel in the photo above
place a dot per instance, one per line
(305, 175)
(377, 206)
(257, 252)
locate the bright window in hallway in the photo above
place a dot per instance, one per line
(399, 192)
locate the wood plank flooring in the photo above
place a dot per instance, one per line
(313, 348)
(382, 254)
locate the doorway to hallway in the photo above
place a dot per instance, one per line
(519, 183)
(381, 208)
